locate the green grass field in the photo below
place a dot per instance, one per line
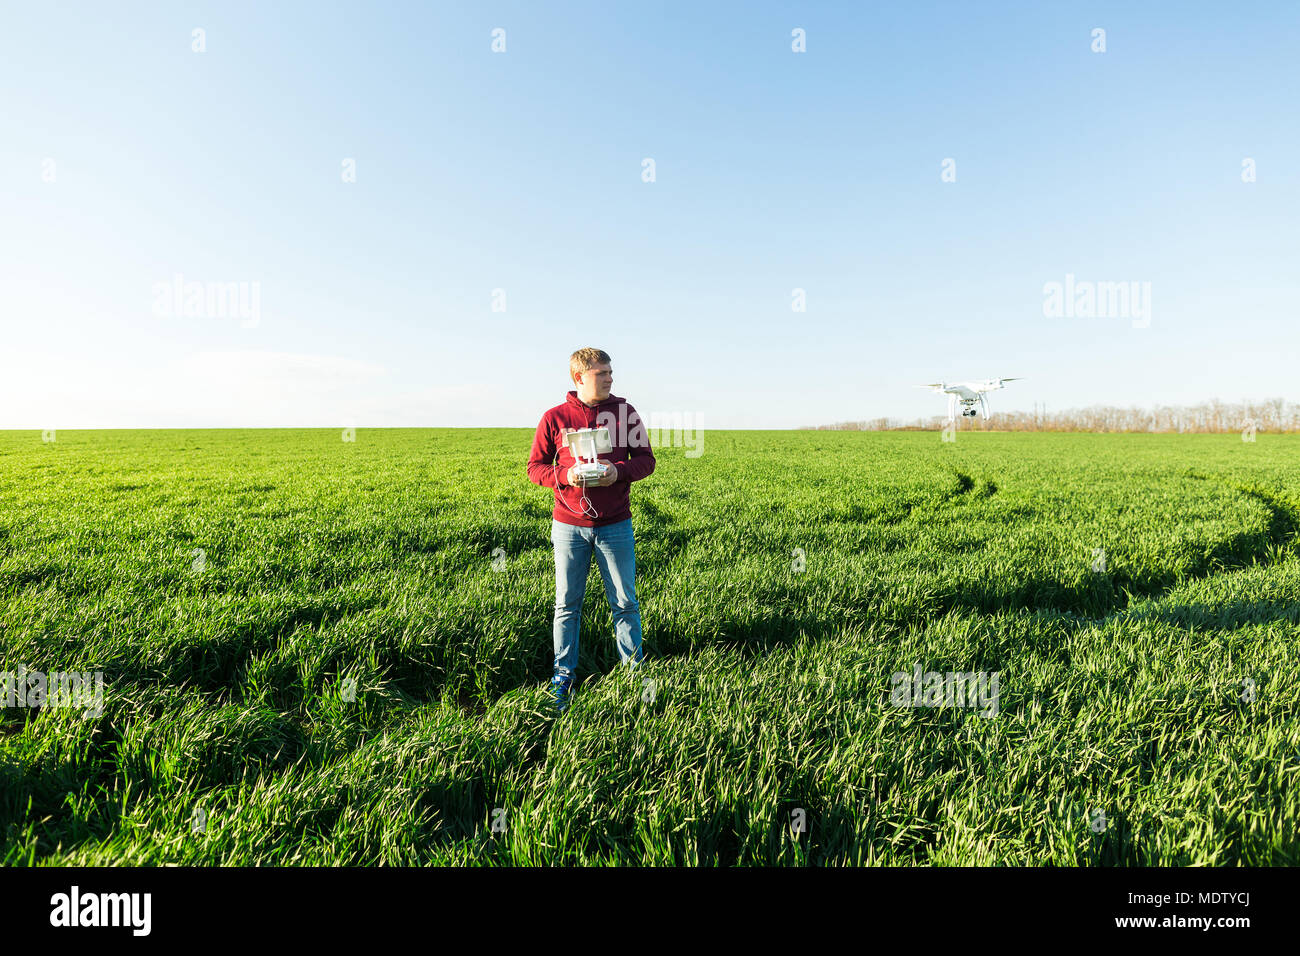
(327, 652)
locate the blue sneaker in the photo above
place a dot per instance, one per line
(560, 694)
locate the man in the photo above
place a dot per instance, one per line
(591, 516)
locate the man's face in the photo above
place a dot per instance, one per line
(595, 383)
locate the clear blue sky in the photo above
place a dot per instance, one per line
(522, 171)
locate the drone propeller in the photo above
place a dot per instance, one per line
(999, 382)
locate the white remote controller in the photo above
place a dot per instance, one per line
(585, 444)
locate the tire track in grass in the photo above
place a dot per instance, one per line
(1284, 516)
(966, 484)
(1103, 599)
(667, 544)
(1284, 545)
(1097, 602)
(896, 513)
(664, 542)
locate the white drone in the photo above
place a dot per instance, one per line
(968, 393)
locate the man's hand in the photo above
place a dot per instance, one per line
(610, 476)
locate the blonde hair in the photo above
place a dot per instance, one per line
(584, 359)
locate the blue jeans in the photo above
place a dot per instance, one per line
(615, 552)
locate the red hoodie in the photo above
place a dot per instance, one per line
(550, 460)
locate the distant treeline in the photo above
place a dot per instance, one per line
(1274, 415)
